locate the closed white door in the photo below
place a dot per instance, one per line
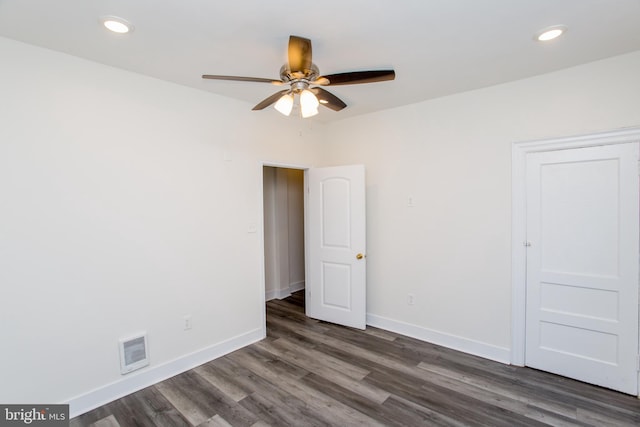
(582, 264)
(336, 277)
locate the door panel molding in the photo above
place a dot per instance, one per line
(582, 223)
(519, 153)
(336, 274)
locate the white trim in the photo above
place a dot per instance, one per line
(620, 136)
(284, 293)
(307, 267)
(518, 220)
(476, 348)
(296, 286)
(284, 165)
(262, 287)
(276, 294)
(86, 402)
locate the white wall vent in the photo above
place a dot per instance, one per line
(133, 353)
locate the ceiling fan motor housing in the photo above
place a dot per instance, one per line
(288, 76)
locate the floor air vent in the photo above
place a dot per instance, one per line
(133, 353)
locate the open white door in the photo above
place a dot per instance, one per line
(336, 273)
(582, 264)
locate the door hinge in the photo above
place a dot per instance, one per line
(526, 244)
(638, 362)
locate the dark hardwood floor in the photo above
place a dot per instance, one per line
(310, 373)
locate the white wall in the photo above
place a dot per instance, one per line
(271, 264)
(125, 205)
(295, 226)
(453, 156)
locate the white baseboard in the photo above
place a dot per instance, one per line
(283, 293)
(297, 286)
(269, 295)
(477, 348)
(134, 382)
(277, 294)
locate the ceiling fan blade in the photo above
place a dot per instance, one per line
(270, 100)
(356, 77)
(242, 79)
(328, 99)
(299, 54)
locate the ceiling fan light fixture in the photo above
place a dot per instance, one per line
(116, 24)
(300, 74)
(308, 104)
(285, 104)
(550, 33)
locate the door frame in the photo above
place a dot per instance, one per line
(260, 229)
(518, 219)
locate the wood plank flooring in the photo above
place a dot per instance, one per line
(311, 373)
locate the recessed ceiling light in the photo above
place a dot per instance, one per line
(116, 24)
(550, 33)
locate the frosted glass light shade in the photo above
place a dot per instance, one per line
(308, 104)
(285, 104)
(306, 113)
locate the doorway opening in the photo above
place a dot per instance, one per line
(284, 222)
(315, 239)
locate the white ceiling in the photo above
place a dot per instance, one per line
(437, 47)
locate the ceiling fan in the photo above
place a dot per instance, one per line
(303, 78)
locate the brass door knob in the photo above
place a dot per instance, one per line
(359, 256)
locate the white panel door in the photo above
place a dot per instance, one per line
(336, 282)
(582, 264)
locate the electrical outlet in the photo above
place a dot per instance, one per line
(411, 299)
(187, 322)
